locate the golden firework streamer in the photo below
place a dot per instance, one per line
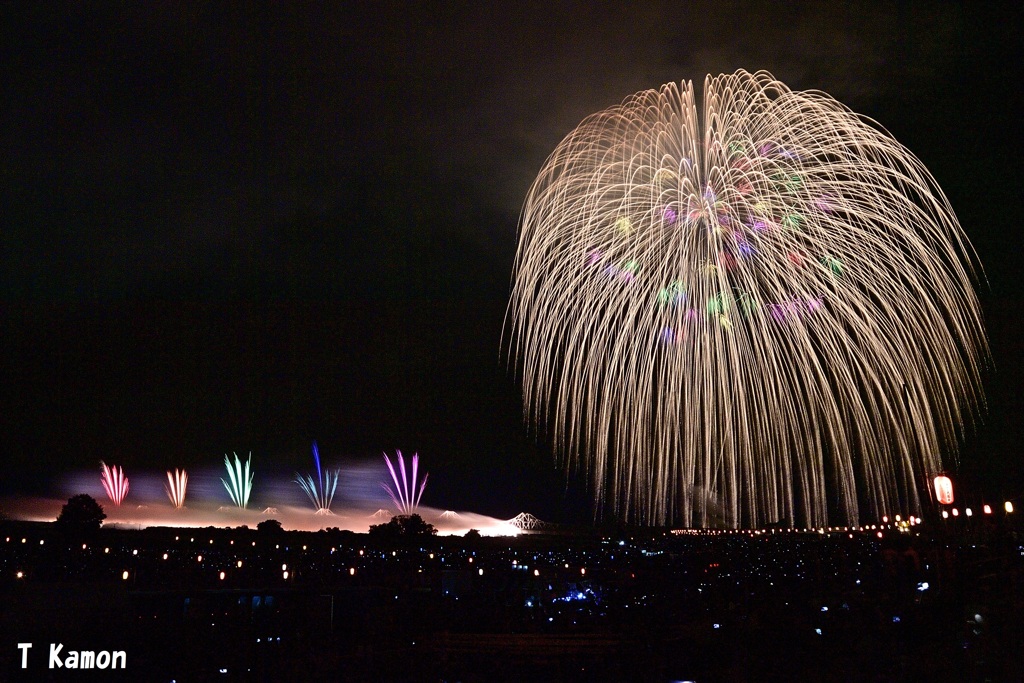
(762, 313)
(177, 483)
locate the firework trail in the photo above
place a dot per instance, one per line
(240, 485)
(176, 485)
(405, 495)
(765, 312)
(320, 490)
(114, 482)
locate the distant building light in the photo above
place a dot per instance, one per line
(1008, 506)
(987, 509)
(945, 515)
(124, 575)
(969, 512)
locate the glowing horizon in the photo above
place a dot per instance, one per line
(761, 313)
(355, 518)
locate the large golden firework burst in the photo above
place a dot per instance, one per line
(761, 313)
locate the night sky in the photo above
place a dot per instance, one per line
(230, 227)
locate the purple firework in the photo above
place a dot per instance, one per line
(405, 495)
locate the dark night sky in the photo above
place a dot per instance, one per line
(231, 229)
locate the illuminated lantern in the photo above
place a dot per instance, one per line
(943, 490)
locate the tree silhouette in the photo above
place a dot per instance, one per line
(403, 526)
(80, 514)
(269, 526)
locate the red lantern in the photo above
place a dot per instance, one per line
(943, 490)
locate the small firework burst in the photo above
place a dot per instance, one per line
(320, 490)
(114, 482)
(176, 484)
(404, 495)
(241, 480)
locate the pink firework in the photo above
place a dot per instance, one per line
(404, 495)
(176, 484)
(114, 482)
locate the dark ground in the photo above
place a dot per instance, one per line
(588, 606)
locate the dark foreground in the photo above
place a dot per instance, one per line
(662, 607)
